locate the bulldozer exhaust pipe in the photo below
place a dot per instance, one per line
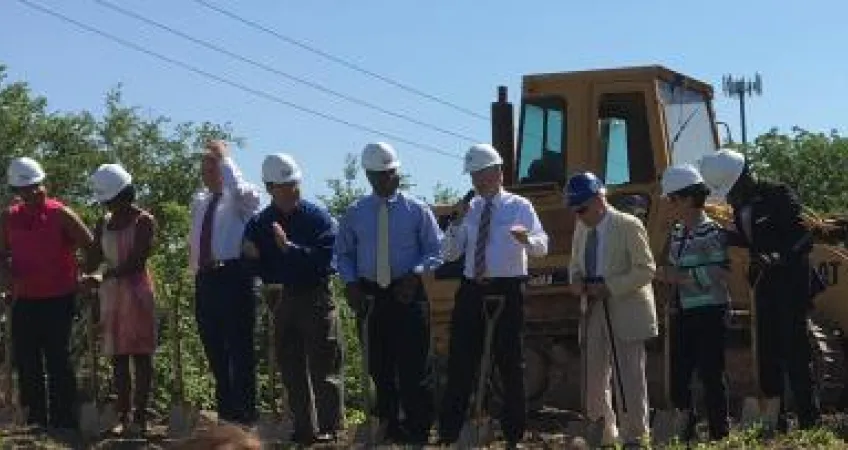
(502, 134)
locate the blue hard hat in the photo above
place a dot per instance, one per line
(581, 187)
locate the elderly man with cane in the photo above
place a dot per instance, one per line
(611, 270)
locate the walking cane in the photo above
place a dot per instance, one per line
(614, 355)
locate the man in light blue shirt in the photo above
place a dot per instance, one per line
(386, 241)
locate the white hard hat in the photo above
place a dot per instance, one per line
(24, 171)
(280, 168)
(480, 156)
(721, 169)
(108, 181)
(379, 157)
(679, 177)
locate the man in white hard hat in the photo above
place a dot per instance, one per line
(611, 269)
(39, 240)
(225, 291)
(496, 235)
(698, 269)
(386, 242)
(292, 240)
(768, 222)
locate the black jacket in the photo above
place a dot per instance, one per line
(777, 231)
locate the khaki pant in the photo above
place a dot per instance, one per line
(602, 382)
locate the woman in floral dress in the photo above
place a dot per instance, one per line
(123, 240)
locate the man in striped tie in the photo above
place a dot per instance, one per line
(381, 266)
(496, 235)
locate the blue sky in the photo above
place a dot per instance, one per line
(459, 52)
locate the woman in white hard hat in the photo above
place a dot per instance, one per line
(39, 237)
(698, 270)
(123, 239)
(767, 221)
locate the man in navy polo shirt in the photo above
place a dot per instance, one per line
(292, 242)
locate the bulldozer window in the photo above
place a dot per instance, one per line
(688, 123)
(626, 150)
(543, 135)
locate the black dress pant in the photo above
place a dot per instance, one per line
(225, 309)
(41, 333)
(466, 348)
(698, 342)
(399, 360)
(782, 297)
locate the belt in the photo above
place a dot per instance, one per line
(492, 281)
(218, 264)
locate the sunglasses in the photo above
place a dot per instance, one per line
(580, 210)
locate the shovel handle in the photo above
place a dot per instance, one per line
(490, 316)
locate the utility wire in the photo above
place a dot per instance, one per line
(337, 59)
(281, 73)
(222, 80)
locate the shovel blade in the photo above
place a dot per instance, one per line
(669, 424)
(475, 434)
(764, 411)
(591, 431)
(370, 432)
(181, 421)
(271, 429)
(89, 420)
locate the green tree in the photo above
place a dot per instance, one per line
(814, 164)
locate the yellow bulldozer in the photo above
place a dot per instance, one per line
(627, 125)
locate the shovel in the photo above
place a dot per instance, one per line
(183, 416)
(277, 425)
(371, 431)
(90, 420)
(591, 431)
(478, 430)
(669, 423)
(11, 411)
(758, 410)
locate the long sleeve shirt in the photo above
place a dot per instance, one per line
(414, 237)
(307, 262)
(238, 203)
(505, 256)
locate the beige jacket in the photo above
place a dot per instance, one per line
(628, 271)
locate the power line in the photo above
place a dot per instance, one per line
(337, 59)
(281, 73)
(256, 92)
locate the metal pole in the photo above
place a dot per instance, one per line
(742, 117)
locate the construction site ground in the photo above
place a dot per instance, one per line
(546, 430)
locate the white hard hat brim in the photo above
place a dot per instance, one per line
(29, 182)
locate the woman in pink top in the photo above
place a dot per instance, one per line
(124, 240)
(39, 237)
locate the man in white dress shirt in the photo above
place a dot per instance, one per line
(496, 235)
(225, 294)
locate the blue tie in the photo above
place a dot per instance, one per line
(590, 253)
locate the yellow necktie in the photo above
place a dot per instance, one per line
(384, 271)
